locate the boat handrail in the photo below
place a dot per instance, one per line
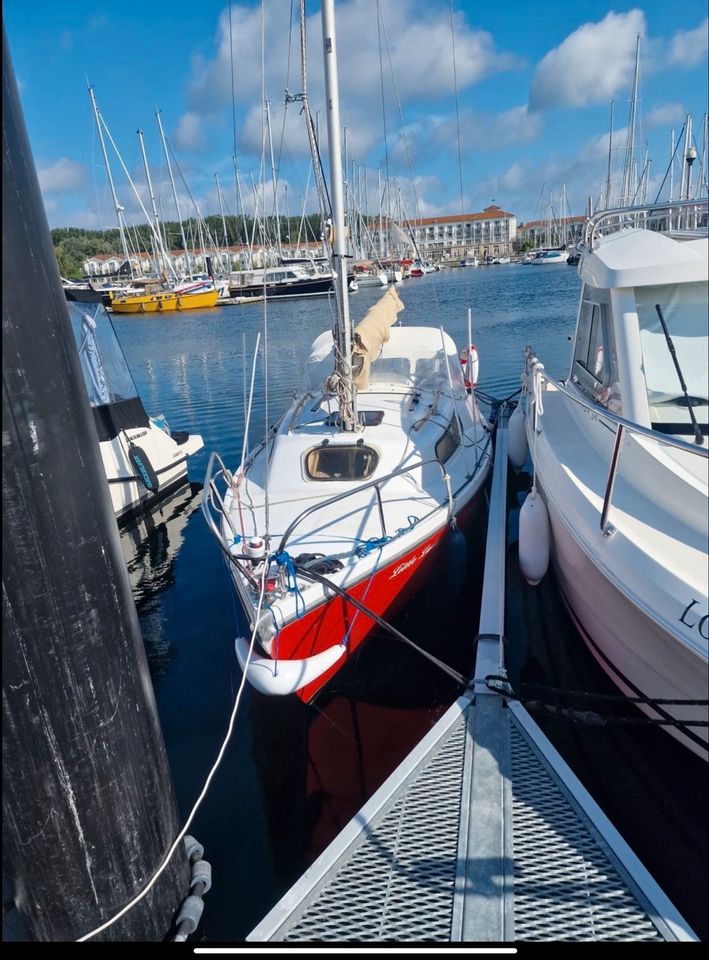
(535, 368)
(212, 500)
(210, 492)
(377, 483)
(643, 214)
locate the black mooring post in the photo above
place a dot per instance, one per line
(89, 808)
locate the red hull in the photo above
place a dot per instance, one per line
(384, 594)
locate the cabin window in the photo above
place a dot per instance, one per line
(594, 368)
(341, 462)
(684, 309)
(449, 442)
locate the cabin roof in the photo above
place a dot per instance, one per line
(638, 258)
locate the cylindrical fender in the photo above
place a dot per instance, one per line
(517, 439)
(534, 538)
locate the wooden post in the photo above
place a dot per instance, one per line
(89, 809)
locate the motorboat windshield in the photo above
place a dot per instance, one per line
(106, 373)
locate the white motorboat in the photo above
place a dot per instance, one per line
(619, 452)
(351, 500)
(370, 277)
(548, 257)
(143, 459)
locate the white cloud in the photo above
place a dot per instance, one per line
(189, 134)
(591, 64)
(689, 47)
(64, 176)
(665, 114)
(419, 47)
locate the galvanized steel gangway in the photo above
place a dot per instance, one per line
(483, 834)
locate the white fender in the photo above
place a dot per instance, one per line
(281, 677)
(534, 539)
(517, 439)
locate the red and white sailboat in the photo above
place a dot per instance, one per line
(343, 509)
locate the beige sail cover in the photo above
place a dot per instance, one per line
(371, 333)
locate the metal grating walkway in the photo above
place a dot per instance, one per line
(483, 834)
(396, 875)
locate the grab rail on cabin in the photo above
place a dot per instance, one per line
(213, 501)
(534, 372)
(377, 484)
(663, 217)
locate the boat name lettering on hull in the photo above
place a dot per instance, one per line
(691, 619)
(408, 563)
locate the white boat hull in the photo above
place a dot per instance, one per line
(630, 589)
(167, 458)
(640, 656)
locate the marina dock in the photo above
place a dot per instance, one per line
(483, 833)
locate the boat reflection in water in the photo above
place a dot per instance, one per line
(150, 545)
(318, 764)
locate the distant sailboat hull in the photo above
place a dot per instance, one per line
(165, 301)
(309, 287)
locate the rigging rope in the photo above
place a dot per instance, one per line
(457, 116)
(385, 625)
(501, 684)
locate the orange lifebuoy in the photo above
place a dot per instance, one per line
(470, 363)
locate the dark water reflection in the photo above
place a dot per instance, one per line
(293, 775)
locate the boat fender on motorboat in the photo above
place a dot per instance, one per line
(534, 538)
(470, 362)
(142, 466)
(456, 558)
(281, 677)
(517, 448)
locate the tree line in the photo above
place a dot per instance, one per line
(74, 245)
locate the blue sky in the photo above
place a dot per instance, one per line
(534, 84)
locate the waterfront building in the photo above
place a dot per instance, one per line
(558, 232)
(490, 233)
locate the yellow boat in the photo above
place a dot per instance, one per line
(164, 301)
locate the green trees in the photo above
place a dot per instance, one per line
(73, 245)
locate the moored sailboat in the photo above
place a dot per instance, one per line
(338, 515)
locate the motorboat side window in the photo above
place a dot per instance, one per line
(684, 308)
(339, 461)
(594, 368)
(106, 373)
(449, 442)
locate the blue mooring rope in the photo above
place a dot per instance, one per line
(284, 559)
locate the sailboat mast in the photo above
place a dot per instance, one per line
(610, 158)
(116, 204)
(157, 246)
(275, 184)
(344, 328)
(628, 174)
(174, 191)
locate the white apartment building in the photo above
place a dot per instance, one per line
(490, 233)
